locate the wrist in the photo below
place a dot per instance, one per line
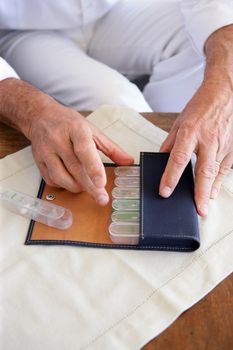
(219, 58)
(21, 104)
(218, 83)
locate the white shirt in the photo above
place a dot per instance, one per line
(202, 17)
(51, 14)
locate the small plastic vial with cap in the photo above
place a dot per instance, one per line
(125, 216)
(36, 209)
(127, 181)
(126, 204)
(127, 193)
(124, 233)
(127, 171)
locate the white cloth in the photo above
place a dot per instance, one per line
(164, 39)
(82, 298)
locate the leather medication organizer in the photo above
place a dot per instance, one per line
(169, 224)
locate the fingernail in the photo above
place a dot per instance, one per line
(97, 181)
(102, 199)
(166, 191)
(203, 209)
(214, 193)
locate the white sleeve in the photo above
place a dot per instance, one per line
(203, 17)
(6, 71)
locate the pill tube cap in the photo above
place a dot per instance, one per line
(36, 209)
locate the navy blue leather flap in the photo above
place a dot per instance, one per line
(171, 223)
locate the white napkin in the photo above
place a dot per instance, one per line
(83, 298)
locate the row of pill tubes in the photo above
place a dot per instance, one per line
(124, 228)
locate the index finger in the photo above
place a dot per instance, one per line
(110, 148)
(179, 157)
(86, 152)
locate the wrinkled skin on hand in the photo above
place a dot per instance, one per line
(205, 126)
(65, 145)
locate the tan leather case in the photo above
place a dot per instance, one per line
(90, 221)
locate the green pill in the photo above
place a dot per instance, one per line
(130, 216)
(126, 204)
(125, 193)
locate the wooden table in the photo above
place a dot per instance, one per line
(206, 326)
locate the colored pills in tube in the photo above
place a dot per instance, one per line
(124, 228)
